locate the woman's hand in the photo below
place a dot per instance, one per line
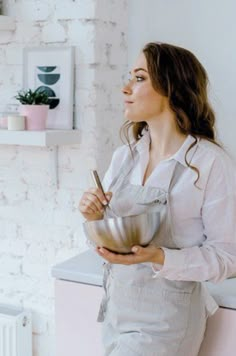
(139, 254)
(92, 204)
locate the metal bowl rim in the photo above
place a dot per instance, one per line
(119, 218)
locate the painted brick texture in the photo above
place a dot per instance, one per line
(39, 224)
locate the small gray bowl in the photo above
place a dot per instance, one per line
(121, 233)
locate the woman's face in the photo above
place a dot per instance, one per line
(142, 102)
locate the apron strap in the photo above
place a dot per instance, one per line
(127, 166)
(178, 170)
(176, 173)
(132, 159)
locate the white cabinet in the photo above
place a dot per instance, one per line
(79, 334)
(77, 304)
(220, 337)
(77, 331)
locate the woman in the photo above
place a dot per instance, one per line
(155, 303)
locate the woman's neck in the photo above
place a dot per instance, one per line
(166, 139)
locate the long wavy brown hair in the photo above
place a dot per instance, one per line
(176, 73)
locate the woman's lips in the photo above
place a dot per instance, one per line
(128, 102)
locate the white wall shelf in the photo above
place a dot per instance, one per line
(7, 23)
(48, 138)
(39, 138)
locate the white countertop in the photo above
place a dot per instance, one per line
(224, 293)
(87, 268)
(84, 268)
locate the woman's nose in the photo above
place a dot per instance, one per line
(127, 89)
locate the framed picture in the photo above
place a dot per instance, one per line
(51, 69)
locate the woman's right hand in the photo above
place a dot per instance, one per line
(92, 204)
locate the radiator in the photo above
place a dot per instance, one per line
(15, 331)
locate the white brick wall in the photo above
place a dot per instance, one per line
(40, 225)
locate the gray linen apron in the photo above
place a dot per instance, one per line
(143, 315)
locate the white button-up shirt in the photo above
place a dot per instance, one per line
(203, 216)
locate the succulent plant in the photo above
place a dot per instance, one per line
(29, 97)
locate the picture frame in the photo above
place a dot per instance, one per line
(51, 69)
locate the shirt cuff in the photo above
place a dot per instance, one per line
(173, 264)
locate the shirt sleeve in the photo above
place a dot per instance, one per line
(215, 259)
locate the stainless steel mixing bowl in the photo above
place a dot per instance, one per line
(121, 233)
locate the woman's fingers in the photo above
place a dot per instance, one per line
(85, 206)
(139, 254)
(90, 203)
(93, 201)
(99, 194)
(86, 210)
(108, 196)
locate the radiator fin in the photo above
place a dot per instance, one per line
(15, 336)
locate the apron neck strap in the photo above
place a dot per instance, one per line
(127, 166)
(132, 159)
(178, 170)
(176, 173)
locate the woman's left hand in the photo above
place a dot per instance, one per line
(139, 254)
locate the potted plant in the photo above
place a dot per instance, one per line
(34, 106)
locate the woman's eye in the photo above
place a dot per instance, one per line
(139, 79)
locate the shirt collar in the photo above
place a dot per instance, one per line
(144, 143)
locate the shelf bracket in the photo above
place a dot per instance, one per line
(54, 165)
